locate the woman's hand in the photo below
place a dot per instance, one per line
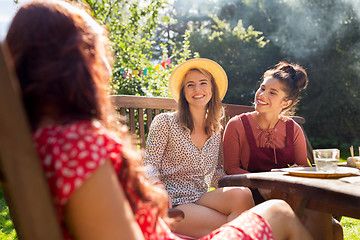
(161, 185)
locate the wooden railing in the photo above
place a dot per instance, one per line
(140, 111)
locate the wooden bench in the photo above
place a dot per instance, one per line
(139, 112)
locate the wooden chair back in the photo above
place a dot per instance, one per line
(140, 111)
(301, 121)
(22, 180)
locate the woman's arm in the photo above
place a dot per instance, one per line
(99, 209)
(155, 147)
(231, 147)
(219, 171)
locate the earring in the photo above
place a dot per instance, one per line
(287, 103)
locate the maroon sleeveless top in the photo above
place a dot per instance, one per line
(264, 159)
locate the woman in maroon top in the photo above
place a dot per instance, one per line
(266, 139)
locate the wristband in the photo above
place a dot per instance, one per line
(158, 182)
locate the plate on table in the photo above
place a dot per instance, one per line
(311, 172)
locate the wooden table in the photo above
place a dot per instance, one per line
(326, 195)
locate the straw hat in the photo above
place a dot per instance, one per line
(177, 76)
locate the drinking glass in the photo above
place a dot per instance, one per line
(326, 159)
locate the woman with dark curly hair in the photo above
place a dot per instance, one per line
(267, 139)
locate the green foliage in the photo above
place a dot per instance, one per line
(132, 26)
(351, 228)
(130, 29)
(7, 231)
(344, 147)
(321, 35)
(240, 51)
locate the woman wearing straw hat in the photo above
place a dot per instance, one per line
(184, 151)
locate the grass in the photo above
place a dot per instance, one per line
(7, 232)
(351, 228)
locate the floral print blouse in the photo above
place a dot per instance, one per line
(187, 171)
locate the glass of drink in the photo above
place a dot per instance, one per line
(326, 159)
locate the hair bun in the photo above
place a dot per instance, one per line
(301, 79)
(289, 69)
(297, 74)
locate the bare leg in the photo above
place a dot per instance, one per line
(320, 225)
(282, 220)
(230, 201)
(198, 221)
(214, 209)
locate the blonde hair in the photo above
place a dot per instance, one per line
(214, 111)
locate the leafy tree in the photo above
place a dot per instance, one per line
(321, 35)
(132, 26)
(335, 88)
(242, 52)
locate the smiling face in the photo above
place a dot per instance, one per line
(197, 88)
(270, 97)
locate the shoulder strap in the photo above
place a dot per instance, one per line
(248, 130)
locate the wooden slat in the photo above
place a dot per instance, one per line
(141, 127)
(23, 182)
(309, 149)
(123, 111)
(128, 101)
(232, 110)
(299, 120)
(132, 120)
(148, 118)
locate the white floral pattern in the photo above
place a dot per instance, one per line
(60, 148)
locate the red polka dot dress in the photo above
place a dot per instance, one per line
(71, 153)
